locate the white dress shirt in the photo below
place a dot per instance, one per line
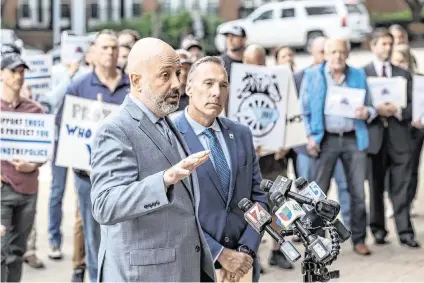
(204, 140)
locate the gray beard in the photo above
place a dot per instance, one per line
(160, 106)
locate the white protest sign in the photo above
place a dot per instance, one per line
(295, 126)
(73, 48)
(80, 120)
(418, 99)
(343, 101)
(258, 99)
(391, 90)
(38, 77)
(27, 136)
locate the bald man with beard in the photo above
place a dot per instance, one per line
(145, 192)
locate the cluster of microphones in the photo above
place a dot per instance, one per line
(307, 214)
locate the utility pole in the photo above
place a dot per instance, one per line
(78, 17)
(56, 21)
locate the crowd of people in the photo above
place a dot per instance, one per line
(382, 145)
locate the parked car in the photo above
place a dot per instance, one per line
(297, 23)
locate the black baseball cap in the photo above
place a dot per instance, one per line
(9, 48)
(234, 30)
(12, 61)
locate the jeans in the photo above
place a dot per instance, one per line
(57, 191)
(308, 166)
(334, 147)
(90, 226)
(17, 215)
(31, 243)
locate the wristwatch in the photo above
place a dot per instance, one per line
(245, 249)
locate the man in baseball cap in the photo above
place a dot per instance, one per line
(12, 61)
(193, 46)
(235, 44)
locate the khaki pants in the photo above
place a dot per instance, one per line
(78, 258)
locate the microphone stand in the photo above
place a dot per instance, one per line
(311, 270)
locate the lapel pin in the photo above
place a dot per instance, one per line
(231, 136)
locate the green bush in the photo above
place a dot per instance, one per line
(174, 27)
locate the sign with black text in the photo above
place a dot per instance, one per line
(80, 120)
(27, 136)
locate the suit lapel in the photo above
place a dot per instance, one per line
(146, 125)
(231, 142)
(370, 70)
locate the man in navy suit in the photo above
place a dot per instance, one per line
(231, 174)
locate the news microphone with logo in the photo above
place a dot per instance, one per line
(312, 190)
(290, 213)
(259, 219)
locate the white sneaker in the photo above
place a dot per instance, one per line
(55, 253)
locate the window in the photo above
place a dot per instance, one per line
(212, 7)
(288, 13)
(321, 10)
(65, 11)
(25, 9)
(166, 6)
(94, 10)
(353, 9)
(136, 8)
(265, 16)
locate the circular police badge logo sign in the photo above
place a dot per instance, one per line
(258, 110)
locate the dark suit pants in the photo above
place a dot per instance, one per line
(418, 140)
(398, 166)
(354, 162)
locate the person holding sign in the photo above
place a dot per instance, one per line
(390, 148)
(224, 181)
(109, 83)
(145, 191)
(19, 179)
(331, 137)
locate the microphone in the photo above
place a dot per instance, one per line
(283, 185)
(257, 217)
(290, 213)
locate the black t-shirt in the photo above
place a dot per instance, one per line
(227, 64)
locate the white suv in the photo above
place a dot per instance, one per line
(297, 23)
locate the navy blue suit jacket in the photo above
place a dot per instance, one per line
(221, 220)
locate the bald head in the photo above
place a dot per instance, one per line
(317, 50)
(154, 70)
(254, 55)
(149, 50)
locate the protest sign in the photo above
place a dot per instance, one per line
(38, 77)
(418, 99)
(73, 48)
(258, 99)
(343, 101)
(295, 126)
(388, 90)
(27, 136)
(80, 120)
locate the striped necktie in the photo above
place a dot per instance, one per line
(221, 166)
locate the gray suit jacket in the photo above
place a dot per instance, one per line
(147, 234)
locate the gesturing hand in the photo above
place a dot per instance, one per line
(184, 168)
